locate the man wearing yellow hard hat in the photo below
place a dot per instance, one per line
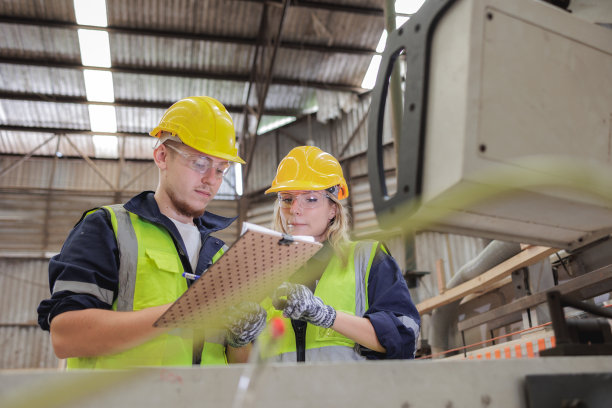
(123, 265)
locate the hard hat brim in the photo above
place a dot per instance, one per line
(236, 159)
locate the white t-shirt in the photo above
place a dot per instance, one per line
(191, 238)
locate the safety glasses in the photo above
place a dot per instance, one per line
(309, 199)
(202, 164)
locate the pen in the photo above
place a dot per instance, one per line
(190, 276)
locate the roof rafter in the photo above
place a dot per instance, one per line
(370, 11)
(56, 98)
(59, 130)
(114, 29)
(183, 73)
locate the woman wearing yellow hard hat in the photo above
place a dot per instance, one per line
(350, 301)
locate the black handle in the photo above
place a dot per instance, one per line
(414, 39)
(299, 328)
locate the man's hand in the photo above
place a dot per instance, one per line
(298, 302)
(244, 323)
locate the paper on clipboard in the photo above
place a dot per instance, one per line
(258, 262)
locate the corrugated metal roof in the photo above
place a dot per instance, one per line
(69, 174)
(350, 133)
(162, 51)
(26, 142)
(317, 66)
(180, 54)
(23, 284)
(454, 250)
(36, 220)
(45, 114)
(33, 41)
(41, 80)
(138, 120)
(53, 10)
(292, 98)
(226, 18)
(155, 88)
(327, 27)
(26, 347)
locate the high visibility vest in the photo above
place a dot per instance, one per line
(342, 286)
(150, 274)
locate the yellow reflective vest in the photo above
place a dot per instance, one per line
(150, 274)
(342, 286)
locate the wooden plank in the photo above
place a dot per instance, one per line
(440, 276)
(488, 288)
(524, 258)
(588, 285)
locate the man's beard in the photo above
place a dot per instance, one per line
(183, 208)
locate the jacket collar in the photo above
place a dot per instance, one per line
(145, 206)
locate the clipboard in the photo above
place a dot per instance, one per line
(256, 264)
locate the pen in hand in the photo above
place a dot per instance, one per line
(190, 276)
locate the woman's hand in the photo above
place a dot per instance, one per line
(299, 303)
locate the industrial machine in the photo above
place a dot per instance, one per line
(506, 134)
(509, 101)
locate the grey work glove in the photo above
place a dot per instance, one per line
(302, 304)
(244, 323)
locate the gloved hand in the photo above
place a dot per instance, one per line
(244, 323)
(302, 304)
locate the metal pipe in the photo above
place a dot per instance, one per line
(493, 254)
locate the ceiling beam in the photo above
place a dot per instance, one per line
(181, 35)
(183, 73)
(58, 130)
(341, 8)
(132, 103)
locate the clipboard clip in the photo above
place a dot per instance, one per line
(286, 240)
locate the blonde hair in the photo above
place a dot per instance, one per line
(337, 232)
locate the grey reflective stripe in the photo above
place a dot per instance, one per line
(104, 295)
(410, 324)
(362, 259)
(128, 258)
(224, 248)
(328, 353)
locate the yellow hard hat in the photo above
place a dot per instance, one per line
(309, 168)
(203, 123)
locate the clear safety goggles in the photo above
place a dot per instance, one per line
(202, 164)
(309, 199)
